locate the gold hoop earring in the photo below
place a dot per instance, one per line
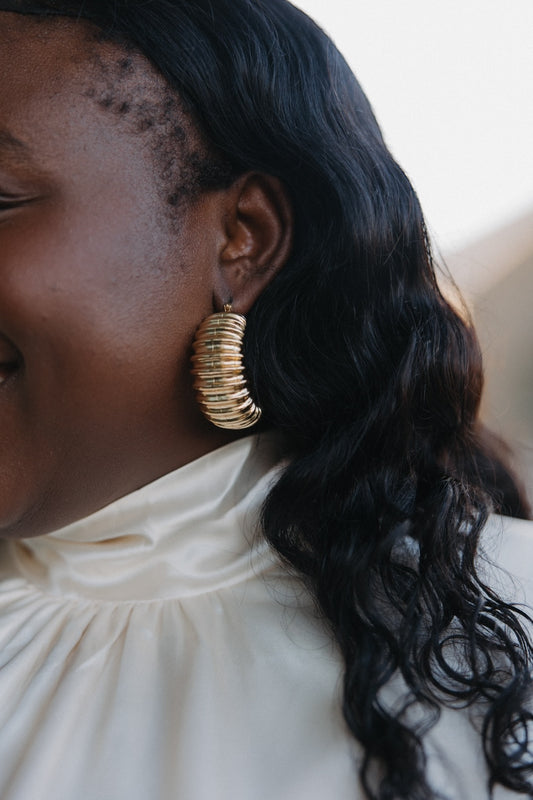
(218, 369)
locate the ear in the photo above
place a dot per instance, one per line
(258, 224)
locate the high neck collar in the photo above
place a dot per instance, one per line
(186, 533)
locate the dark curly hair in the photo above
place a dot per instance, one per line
(371, 375)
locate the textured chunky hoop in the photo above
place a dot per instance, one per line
(217, 365)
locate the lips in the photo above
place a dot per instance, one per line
(10, 359)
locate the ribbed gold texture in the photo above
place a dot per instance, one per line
(218, 369)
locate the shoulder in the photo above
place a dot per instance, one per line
(506, 556)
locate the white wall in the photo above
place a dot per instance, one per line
(451, 82)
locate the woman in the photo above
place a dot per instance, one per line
(162, 163)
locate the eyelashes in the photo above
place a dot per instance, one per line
(7, 202)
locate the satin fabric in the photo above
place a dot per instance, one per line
(157, 650)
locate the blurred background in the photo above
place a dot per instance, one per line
(451, 84)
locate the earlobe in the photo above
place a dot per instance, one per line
(259, 227)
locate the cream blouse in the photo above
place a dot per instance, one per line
(156, 650)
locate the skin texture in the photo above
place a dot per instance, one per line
(100, 298)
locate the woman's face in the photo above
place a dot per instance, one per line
(99, 294)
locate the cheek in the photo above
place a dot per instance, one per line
(102, 301)
(85, 287)
(104, 322)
